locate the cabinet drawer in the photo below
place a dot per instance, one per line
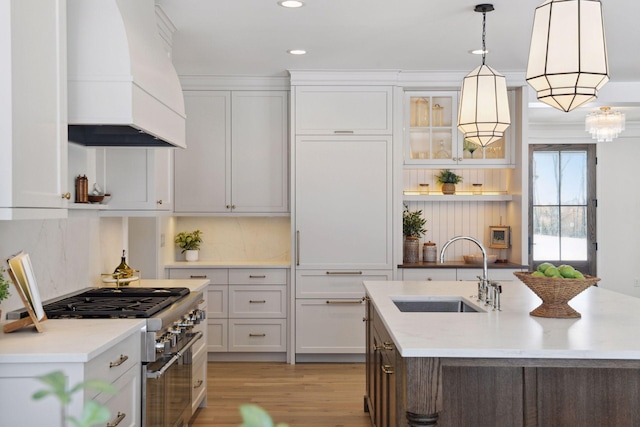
(124, 405)
(364, 110)
(501, 274)
(202, 342)
(330, 326)
(217, 301)
(429, 274)
(216, 276)
(252, 335)
(251, 276)
(267, 301)
(198, 379)
(217, 335)
(335, 283)
(111, 364)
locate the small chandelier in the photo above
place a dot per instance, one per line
(568, 53)
(483, 115)
(604, 125)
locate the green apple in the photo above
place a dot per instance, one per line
(537, 274)
(542, 268)
(578, 275)
(566, 271)
(552, 272)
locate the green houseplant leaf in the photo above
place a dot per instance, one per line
(189, 241)
(413, 223)
(447, 176)
(255, 416)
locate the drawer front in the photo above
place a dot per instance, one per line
(257, 276)
(216, 276)
(202, 342)
(266, 301)
(335, 283)
(114, 362)
(429, 274)
(330, 326)
(124, 405)
(501, 274)
(253, 335)
(217, 301)
(198, 379)
(217, 335)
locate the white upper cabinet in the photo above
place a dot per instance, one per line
(343, 202)
(33, 102)
(433, 139)
(236, 159)
(138, 179)
(335, 110)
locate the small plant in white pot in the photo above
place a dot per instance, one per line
(189, 242)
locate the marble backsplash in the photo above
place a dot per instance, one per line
(239, 238)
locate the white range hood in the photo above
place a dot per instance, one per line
(122, 87)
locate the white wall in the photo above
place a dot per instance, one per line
(67, 254)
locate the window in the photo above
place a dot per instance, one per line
(562, 206)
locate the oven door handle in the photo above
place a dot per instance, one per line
(175, 357)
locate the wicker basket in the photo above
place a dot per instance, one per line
(555, 294)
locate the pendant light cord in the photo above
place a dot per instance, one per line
(484, 34)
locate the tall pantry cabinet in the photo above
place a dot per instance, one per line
(342, 220)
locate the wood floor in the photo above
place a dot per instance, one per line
(301, 395)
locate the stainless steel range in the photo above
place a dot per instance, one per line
(170, 314)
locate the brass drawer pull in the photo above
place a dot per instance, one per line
(342, 131)
(255, 301)
(257, 335)
(346, 273)
(123, 358)
(387, 369)
(118, 420)
(263, 276)
(195, 276)
(198, 384)
(356, 302)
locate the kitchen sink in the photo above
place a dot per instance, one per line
(435, 306)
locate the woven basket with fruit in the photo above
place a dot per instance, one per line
(556, 286)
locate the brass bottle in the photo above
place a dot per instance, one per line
(123, 271)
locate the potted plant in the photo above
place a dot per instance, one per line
(189, 242)
(448, 179)
(4, 287)
(412, 229)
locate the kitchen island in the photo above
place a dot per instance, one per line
(492, 368)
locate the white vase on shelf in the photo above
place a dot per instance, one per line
(191, 255)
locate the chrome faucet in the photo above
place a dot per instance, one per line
(483, 284)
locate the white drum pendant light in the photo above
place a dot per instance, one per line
(483, 115)
(568, 53)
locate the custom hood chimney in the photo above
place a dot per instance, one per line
(122, 87)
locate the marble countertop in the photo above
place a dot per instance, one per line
(229, 264)
(608, 328)
(78, 340)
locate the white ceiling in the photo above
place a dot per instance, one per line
(251, 37)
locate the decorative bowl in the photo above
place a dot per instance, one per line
(555, 294)
(477, 259)
(93, 198)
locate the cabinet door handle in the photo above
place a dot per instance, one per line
(342, 131)
(255, 301)
(346, 273)
(343, 302)
(257, 277)
(67, 196)
(196, 276)
(118, 420)
(159, 202)
(123, 358)
(387, 369)
(198, 384)
(257, 335)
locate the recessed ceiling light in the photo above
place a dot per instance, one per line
(291, 3)
(297, 51)
(478, 51)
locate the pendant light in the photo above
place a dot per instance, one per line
(568, 53)
(483, 115)
(604, 125)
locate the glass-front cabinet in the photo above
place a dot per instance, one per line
(432, 137)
